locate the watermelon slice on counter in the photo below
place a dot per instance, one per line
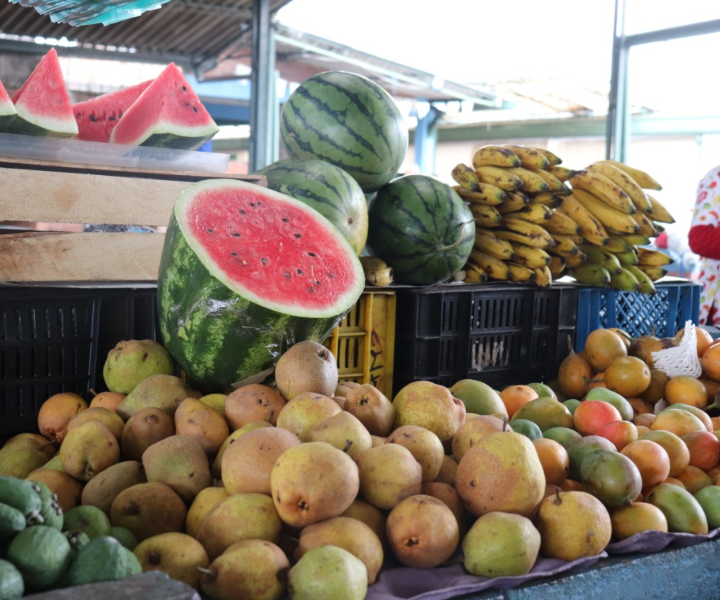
(97, 117)
(7, 109)
(42, 103)
(245, 273)
(167, 114)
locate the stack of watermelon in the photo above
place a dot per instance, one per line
(165, 112)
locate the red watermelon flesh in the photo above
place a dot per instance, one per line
(97, 117)
(167, 114)
(278, 251)
(43, 104)
(7, 108)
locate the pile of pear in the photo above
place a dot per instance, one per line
(537, 221)
(303, 487)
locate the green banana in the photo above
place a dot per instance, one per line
(627, 258)
(591, 274)
(624, 281)
(646, 284)
(598, 256)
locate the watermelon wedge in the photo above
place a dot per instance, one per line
(43, 104)
(245, 273)
(7, 109)
(97, 117)
(167, 114)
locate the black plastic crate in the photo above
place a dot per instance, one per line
(56, 340)
(498, 333)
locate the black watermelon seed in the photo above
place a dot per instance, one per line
(317, 283)
(111, 118)
(299, 272)
(195, 108)
(264, 261)
(285, 220)
(235, 234)
(242, 212)
(184, 89)
(233, 253)
(311, 290)
(311, 254)
(252, 204)
(298, 235)
(286, 274)
(210, 230)
(187, 104)
(92, 118)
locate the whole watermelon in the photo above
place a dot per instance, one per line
(421, 228)
(348, 121)
(328, 189)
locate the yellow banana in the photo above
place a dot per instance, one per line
(487, 194)
(575, 261)
(658, 227)
(514, 202)
(654, 273)
(466, 177)
(489, 243)
(520, 273)
(548, 199)
(543, 277)
(561, 224)
(633, 239)
(562, 173)
(564, 246)
(534, 213)
(608, 216)
(659, 212)
(605, 190)
(652, 258)
(626, 183)
(557, 266)
(533, 258)
(645, 225)
(485, 216)
(519, 238)
(495, 156)
(474, 274)
(618, 244)
(525, 228)
(531, 182)
(495, 269)
(624, 281)
(377, 271)
(530, 158)
(553, 182)
(499, 176)
(600, 256)
(646, 284)
(578, 239)
(591, 274)
(553, 159)
(644, 180)
(590, 227)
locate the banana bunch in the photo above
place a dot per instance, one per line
(615, 215)
(514, 193)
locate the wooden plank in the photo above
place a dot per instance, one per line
(46, 257)
(47, 197)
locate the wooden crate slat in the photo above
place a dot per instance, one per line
(51, 257)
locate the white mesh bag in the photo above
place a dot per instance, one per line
(682, 359)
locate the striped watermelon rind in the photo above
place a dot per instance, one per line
(328, 189)
(348, 121)
(219, 332)
(421, 228)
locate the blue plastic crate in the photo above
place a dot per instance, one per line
(665, 312)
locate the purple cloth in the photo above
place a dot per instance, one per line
(654, 541)
(451, 579)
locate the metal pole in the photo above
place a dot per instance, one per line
(617, 121)
(425, 141)
(262, 87)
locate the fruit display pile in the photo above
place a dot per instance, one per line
(534, 227)
(313, 486)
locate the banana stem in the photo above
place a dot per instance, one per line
(459, 239)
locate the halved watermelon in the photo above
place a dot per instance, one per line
(43, 104)
(245, 273)
(7, 108)
(97, 117)
(167, 114)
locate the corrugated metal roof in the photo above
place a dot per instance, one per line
(195, 30)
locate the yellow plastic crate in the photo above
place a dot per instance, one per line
(364, 342)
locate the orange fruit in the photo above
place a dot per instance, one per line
(554, 459)
(628, 376)
(710, 362)
(686, 390)
(516, 396)
(694, 479)
(623, 335)
(677, 449)
(591, 415)
(641, 407)
(712, 387)
(109, 400)
(704, 339)
(602, 347)
(598, 380)
(704, 449)
(679, 422)
(713, 474)
(56, 412)
(674, 481)
(574, 371)
(570, 485)
(640, 346)
(620, 433)
(656, 390)
(651, 459)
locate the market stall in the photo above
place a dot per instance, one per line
(327, 379)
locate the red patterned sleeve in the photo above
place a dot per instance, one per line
(704, 240)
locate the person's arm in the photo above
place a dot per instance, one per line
(704, 235)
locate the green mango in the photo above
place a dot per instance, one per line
(709, 500)
(683, 512)
(604, 395)
(562, 435)
(611, 477)
(546, 413)
(543, 390)
(571, 405)
(527, 428)
(582, 448)
(479, 397)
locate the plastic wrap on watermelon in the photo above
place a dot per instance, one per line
(245, 273)
(91, 12)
